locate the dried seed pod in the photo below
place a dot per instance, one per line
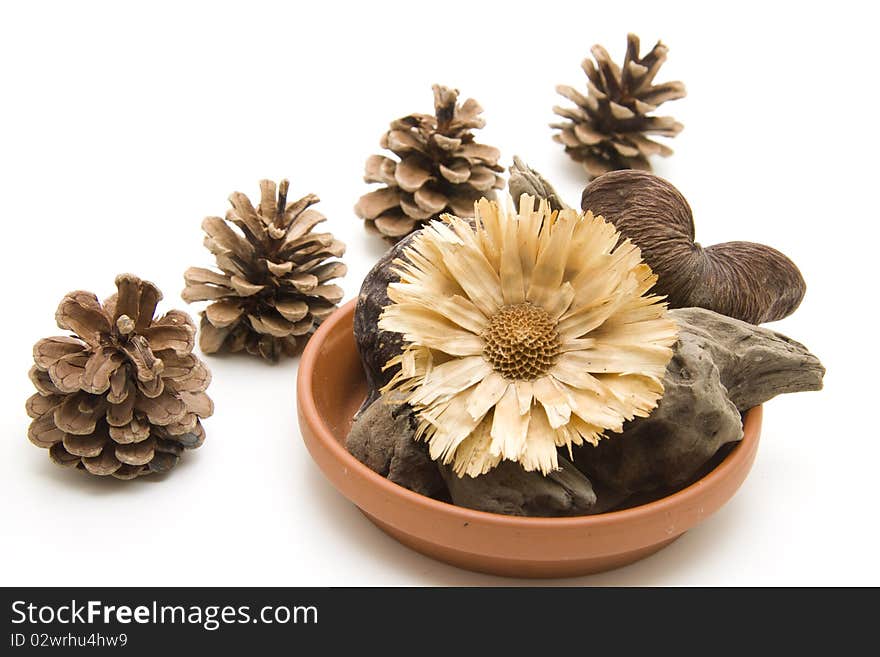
(744, 280)
(525, 180)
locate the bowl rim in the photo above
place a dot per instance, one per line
(737, 457)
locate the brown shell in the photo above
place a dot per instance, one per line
(744, 280)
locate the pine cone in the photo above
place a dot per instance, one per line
(272, 289)
(607, 130)
(440, 169)
(124, 395)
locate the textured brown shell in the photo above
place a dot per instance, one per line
(744, 280)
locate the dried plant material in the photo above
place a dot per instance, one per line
(124, 395)
(510, 490)
(747, 281)
(721, 367)
(608, 127)
(375, 346)
(439, 168)
(273, 288)
(382, 437)
(525, 180)
(530, 331)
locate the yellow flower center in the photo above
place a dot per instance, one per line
(521, 342)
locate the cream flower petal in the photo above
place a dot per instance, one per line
(554, 400)
(524, 395)
(622, 359)
(424, 327)
(589, 433)
(593, 240)
(472, 457)
(639, 393)
(595, 408)
(486, 394)
(550, 266)
(579, 322)
(512, 277)
(450, 378)
(509, 427)
(490, 231)
(414, 362)
(560, 302)
(539, 450)
(476, 276)
(528, 229)
(424, 266)
(576, 344)
(455, 308)
(657, 331)
(602, 274)
(569, 370)
(449, 427)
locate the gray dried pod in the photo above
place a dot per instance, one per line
(510, 490)
(525, 180)
(744, 280)
(383, 439)
(721, 367)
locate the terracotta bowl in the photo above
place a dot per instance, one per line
(331, 387)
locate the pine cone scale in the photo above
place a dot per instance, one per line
(104, 464)
(88, 446)
(375, 203)
(79, 312)
(410, 175)
(121, 414)
(413, 210)
(456, 171)
(395, 225)
(43, 432)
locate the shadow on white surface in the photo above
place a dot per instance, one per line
(82, 482)
(666, 567)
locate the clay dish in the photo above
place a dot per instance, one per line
(331, 387)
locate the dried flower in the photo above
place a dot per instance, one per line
(527, 332)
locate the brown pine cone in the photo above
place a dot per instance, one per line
(440, 169)
(271, 291)
(607, 130)
(124, 395)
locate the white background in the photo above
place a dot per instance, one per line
(121, 127)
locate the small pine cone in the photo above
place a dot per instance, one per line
(440, 169)
(271, 291)
(607, 130)
(124, 395)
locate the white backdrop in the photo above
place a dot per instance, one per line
(122, 127)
